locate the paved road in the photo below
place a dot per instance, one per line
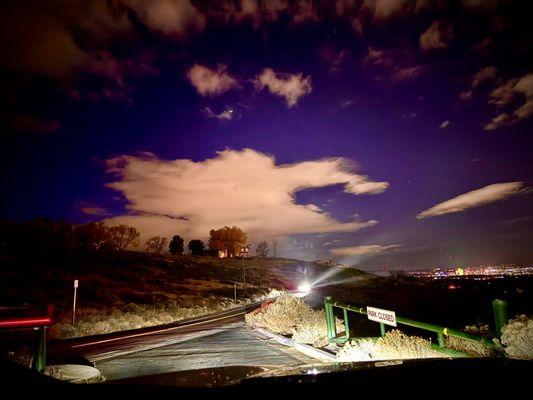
(215, 341)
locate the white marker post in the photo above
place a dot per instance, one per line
(74, 301)
(235, 291)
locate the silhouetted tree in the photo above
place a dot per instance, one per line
(262, 249)
(197, 247)
(90, 237)
(156, 244)
(123, 236)
(162, 244)
(176, 245)
(231, 239)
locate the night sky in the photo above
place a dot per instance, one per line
(384, 133)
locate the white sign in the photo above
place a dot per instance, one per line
(75, 283)
(384, 316)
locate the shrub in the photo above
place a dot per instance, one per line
(470, 347)
(280, 316)
(395, 345)
(291, 316)
(312, 329)
(517, 337)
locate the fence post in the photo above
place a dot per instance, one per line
(442, 342)
(500, 315)
(346, 324)
(39, 357)
(329, 312)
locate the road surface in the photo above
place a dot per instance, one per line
(216, 341)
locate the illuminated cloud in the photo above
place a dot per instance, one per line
(171, 17)
(226, 115)
(475, 198)
(289, 86)
(399, 65)
(362, 250)
(93, 210)
(497, 122)
(485, 74)
(244, 188)
(209, 82)
(436, 36)
(505, 94)
(400, 74)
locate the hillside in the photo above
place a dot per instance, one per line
(127, 286)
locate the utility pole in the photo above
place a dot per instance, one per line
(243, 252)
(243, 274)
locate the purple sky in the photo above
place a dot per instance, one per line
(379, 133)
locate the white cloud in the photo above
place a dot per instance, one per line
(289, 86)
(93, 210)
(506, 93)
(485, 74)
(227, 114)
(475, 198)
(400, 74)
(169, 16)
(209, 82)
(497, 122)
(399, 65)
(244, 188)
(466, 95)
(436, 36)
(444, 124)
(362, 250)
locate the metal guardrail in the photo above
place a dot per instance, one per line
(500, 312)
(38, 324)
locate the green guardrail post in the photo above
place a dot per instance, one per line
(500, 315)
(382, 329)
(39, 357)
(346, 324)
(440, 336)
(328, 310)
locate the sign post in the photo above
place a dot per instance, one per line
(74, 302)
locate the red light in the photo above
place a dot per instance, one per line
(25, 322)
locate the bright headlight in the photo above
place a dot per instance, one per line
(305, 287)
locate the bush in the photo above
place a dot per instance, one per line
(470, 347)
(517, 337)
(291, 316)
(395, 345)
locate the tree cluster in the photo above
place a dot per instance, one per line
(230, 239)
(44, 236)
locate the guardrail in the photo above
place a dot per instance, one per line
(500, 313)
(38, 324)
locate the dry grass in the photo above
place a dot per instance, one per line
(291, 316)
(475, 349)
(517, 337)
(395, 345)
(93, 321)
